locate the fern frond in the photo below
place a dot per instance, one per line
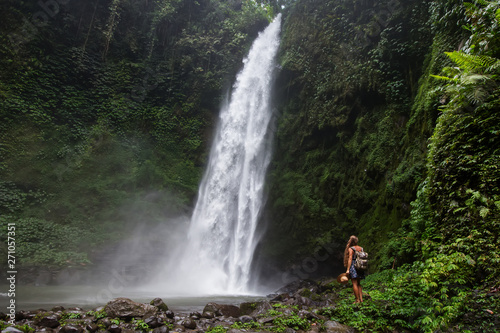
(444, 78)
(475, 78)
(470, 62)
(482, 2)
(470, 8)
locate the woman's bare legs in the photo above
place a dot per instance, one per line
(358, 290)
(355, 288)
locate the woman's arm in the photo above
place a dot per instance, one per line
(349, 261)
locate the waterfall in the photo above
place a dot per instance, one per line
(218, 251)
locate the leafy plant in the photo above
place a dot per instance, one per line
(217, 329)
(140, 325)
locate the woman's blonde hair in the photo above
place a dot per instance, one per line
(353, 240)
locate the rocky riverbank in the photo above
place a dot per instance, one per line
(293, 308)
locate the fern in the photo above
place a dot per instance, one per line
(473, 63)
(445, 78)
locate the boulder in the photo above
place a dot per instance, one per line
(126, 308)
(335, 327)
(261, 308)
(189, 323)
(222, 310)
(158, 302)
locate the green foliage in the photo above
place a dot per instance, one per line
(66, 315)
(44, 242)
(291, 321)
(116, 321)
(253, 325)
(140, 325)
(99, 314)
(217, 329)
(342, 162)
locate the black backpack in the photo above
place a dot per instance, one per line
(361, 261)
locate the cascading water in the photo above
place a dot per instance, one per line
(217, 254)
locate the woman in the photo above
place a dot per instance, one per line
(349, 258)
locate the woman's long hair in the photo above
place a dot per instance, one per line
(353, 240)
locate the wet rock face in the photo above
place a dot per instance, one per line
(125, 308)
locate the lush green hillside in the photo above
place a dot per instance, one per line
(107, 109)
(355, 119)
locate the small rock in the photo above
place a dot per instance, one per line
(12, 330)
(44, 330)
(57, 308)
(91, 327)
(169, 314)
(335, 327)
(106, 322)
(158, 302)
(195, 315)
(114, 329)
(189, 323)
(208, 314)
(153, 322)
(245, 319)
(163, 329)
(71, 329)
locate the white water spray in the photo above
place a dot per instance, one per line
(217, 254)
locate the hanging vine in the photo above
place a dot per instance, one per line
(114, 19)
